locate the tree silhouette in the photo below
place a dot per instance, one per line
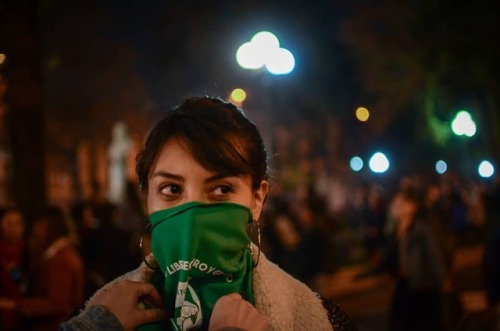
(427, 57)
(25, 118)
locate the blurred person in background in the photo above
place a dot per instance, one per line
(56, 274)
(491, 268)
(87, 225)
(417, 263)
(132, 217)
(414, 259)
(114, 249)
(306, 257)
(373, 223)
(491, 257)
(12, 258)
(487, 319)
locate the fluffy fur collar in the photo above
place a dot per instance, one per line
(288, 303)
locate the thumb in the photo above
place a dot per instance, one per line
(232, 296)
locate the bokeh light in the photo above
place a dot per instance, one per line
(265, 40)
(362, 114)
(441, 167)
(379, 163)
(356, 163)
(238, 95)
(463, 124)
(280, 62)
(486, 169)
(264, 50)
(250, 57)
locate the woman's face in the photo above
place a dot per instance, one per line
(12, 227)
(177, 178)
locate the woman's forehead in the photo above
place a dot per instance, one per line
(174, 156)
(174, 148)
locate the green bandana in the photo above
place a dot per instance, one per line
(202, 251)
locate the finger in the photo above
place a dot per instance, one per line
(150, 292)
(231, 296)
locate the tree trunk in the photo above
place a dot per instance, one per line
(24, 101)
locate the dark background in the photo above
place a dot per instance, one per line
(75, 68)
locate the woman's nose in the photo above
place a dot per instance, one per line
(196, 196)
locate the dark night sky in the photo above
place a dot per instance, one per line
(310, 30)
(186, 48)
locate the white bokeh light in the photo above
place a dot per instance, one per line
(250, 57)
(356, 163)
(463, 125)
(264, 50)
(280, 62)
(379, 163)
(441, 167)
(265, 40)
(486, 169)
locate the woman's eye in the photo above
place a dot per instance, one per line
(170, 190)
(222, 190)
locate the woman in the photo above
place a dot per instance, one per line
(204, 175)
(57, 271)
(418, 266)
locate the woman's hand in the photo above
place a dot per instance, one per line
(124, 299)
(232, 312)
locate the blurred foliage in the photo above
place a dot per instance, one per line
(428, 57)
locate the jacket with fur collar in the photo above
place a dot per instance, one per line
(288, 303)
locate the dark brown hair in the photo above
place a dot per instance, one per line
(58, 224)
(221, 138)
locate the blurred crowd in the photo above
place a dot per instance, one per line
(51, 265)
(302, 229)
(410, 231)
(315, 221)
(459, 213)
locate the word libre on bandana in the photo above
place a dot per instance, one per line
(193, 264)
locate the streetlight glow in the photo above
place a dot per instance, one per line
(463, 125)
(250, 57)
(356, 163)
(486, 169)
(379, 163)
(265, 40)
(238, 95)
(280, 62)
(362, 114)
(264, 50)
(441, 167)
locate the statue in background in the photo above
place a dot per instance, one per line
(117, 156)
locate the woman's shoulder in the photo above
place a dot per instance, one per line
(337, 317)
(67, 257)
(291, 304)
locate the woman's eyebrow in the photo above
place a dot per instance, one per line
(164, 174)
(218, 177)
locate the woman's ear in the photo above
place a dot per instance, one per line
(259, 196)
